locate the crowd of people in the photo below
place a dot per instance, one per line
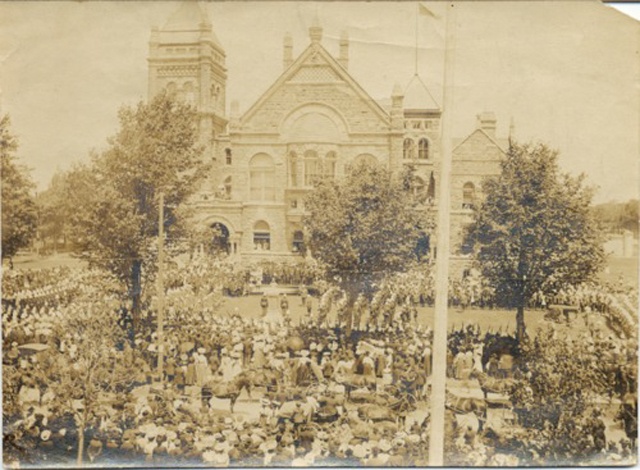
(306, 392)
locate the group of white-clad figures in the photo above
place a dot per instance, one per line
(386, 309)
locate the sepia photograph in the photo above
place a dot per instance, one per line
(319, 234)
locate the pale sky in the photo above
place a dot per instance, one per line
(566, 72)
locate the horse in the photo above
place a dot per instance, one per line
(355, 381)
(466, 405)
(491, 384)
(258, 378)
(230, 390)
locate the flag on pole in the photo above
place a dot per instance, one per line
(424, 11)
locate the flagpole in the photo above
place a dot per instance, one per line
(438, 381)
(415, 69)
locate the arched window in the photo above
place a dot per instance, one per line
(171, 88)
(409, 149)
(189, 93)
(261, 236)
(293, 169)
(262, 178)
(423, 149)
(312, 168)
(298, 242)
(468, 195)
(227, 187)
(330, 165)
(228, 156)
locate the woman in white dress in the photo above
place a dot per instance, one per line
(202, 367)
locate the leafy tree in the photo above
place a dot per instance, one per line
(365, 227)
(54, 212)
(619, 216)
(554, 399)
(534, 231)
(156, 150)
(95, 371)
(19, 215)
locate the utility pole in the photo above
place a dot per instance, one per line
(160, 281)
(439, 376)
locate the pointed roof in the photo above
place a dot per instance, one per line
(314, 53)
(188, 17)
(417, 96)
(187, 25)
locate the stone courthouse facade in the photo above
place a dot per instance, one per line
(314, 122)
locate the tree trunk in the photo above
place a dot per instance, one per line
(352, 287)
(80, 445)
(520, 327)
(136, 289)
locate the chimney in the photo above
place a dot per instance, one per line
(315, 31)
(397, 113)
(155, 38)
(287, 51)
(344, 50)
(487, 122)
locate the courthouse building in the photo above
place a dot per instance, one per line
(315, 121)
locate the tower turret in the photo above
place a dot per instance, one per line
(187, 60)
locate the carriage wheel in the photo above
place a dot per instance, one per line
(392, 390)
(411, 401)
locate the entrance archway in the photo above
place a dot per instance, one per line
(219, 239)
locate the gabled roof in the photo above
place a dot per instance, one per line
(418, 97)
(485, 134)
(311, 55)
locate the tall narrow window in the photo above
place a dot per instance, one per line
(468, 195)
(227, 187)
(293, 169)
(330, 166)
(312, 168)
(228, 157)
(409, 149)
(261, 236)
(262, 178)
(423, 149)
(189, 93)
